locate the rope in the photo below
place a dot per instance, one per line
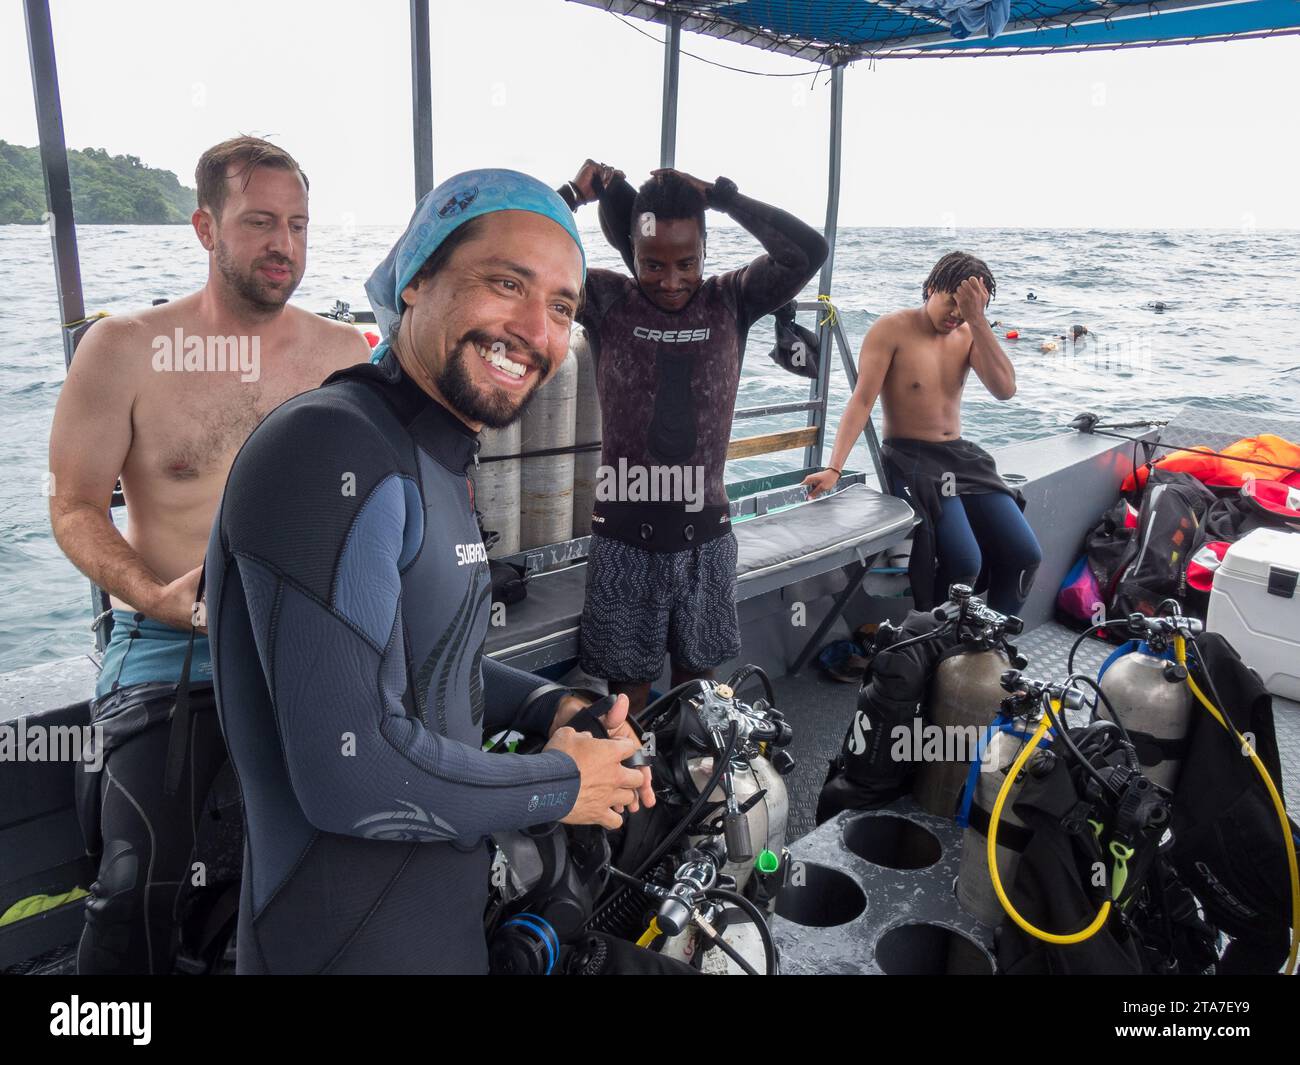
(89, 318)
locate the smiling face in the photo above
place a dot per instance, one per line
(670, 262)
(492, 323)
(258, 238)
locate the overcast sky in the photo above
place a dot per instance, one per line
(1204, 135)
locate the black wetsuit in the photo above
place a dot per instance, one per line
(348, 601)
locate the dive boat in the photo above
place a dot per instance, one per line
(829, 556)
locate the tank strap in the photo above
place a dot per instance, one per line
(1013, 837)
(1001, 723)
(1152, 750)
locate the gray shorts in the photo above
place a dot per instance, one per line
(641, 604)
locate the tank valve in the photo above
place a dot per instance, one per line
(782, 761)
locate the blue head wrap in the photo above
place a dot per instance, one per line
(441, 213)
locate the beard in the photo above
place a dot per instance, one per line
(256, 293)
(494, 407)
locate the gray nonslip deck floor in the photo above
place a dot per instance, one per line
(820, 709)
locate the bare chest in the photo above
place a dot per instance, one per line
(188, 426)
(930, 369)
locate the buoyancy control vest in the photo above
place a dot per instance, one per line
(864, 776)
(1228, 844)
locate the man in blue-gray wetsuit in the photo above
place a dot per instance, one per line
(348, 600)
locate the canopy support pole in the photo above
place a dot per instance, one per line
(820, 388)
(672, 66)
(421, 98)
(54, 168)
(59, 217)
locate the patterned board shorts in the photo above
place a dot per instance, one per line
(642, 603)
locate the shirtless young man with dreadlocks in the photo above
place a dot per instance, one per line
(916, 361)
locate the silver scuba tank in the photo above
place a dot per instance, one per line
(587, 430)
(496, 487)
(679, 917)
(964, 697)
(766, 819)
(739, 932)
(974, 885)
(546, 481)
(1154, 707)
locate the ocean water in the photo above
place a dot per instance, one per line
(1228, 335)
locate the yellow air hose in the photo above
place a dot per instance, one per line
(1047, 937)
(1180, 653)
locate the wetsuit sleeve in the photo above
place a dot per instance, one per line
(605, 287)
(321, 575)
(616, 202)
(513, 699)
(794, 252)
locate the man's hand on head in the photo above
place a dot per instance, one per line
(972, 298)
(704, 187)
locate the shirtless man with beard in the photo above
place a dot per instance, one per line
(163, 399)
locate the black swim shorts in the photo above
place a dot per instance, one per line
(642, 603)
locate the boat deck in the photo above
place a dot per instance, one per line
(820, 709)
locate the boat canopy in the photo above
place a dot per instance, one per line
(842, 31)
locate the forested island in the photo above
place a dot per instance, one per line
(106, 189)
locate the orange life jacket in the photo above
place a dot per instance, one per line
(1212, 469)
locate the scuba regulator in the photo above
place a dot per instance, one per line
(560, 904)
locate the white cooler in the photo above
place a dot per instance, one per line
(1255, 605)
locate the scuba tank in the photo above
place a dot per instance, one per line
(1150, 695)
(964, 692)
(496, 487)
(757, 782)
(724, 759)
(974, 886)
(587, 430)
(987, 774)
(693, 895)
(546, 475)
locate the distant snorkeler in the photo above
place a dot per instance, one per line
(917, 361)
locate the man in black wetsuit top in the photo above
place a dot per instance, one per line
(348, 601)
(667, 345)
